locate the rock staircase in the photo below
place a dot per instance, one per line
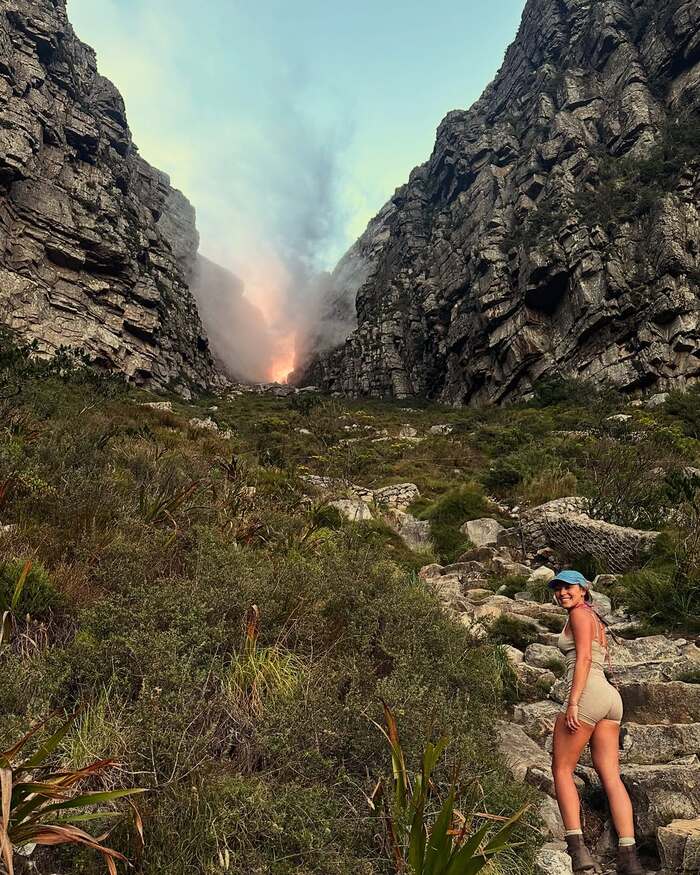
(660, 738)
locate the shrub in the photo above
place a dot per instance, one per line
(548, 485)
(38, 596)
(453, 845)
(448, 514)
(511, 630)
(42, 805)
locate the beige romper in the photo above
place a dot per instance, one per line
(599, 699)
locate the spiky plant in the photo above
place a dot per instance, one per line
(41, 806)
(446, 846)
(8, 617)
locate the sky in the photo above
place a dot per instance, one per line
(289, 124)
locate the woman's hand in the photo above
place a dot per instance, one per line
(572, 721)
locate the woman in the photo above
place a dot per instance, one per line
(591, 713)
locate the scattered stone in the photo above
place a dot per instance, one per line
(441, 429)
(619, 417)
(400, 496)
(207, 424)
(415, 533)
(407, 431)
(161, 406)
(657, 400)
(514, 655)
(541, 575)
(353, 509)
(428, 572)
(482, 532)
(542, 656)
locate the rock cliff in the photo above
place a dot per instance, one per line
(555, 229)
(96, 248)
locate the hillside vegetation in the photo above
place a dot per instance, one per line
(151, 538)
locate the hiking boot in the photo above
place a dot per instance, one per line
(628, 861)
(581, 861)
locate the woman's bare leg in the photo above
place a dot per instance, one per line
(567, 750)
(605, 747)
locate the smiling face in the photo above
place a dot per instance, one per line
(569, 595)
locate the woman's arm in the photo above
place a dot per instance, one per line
(582, 630)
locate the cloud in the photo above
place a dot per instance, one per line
(254, 141)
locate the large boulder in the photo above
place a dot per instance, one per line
(399, 496)
(662, 793)
(564, 526)
(353, 509)
(537, 718)
(519, 751)
(415, 533)
(652, 744)
(673, 702)
(652, 658)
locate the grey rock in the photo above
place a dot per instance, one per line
(399, 496)
(536, 718)
(353, 509)
(96, 247)
(428, 572)
(482, 532)
(519, 751)
(672, 702)
(487, 271)
(679, 846)
(563, 525)
(415, 533)
(552, 861)
(542, 656)
(661, 794)
(661, 743)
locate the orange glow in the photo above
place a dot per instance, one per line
(282, 364)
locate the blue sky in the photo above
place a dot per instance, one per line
(289, 124)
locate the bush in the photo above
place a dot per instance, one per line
(511, 630)
(448, 514)
(548, 485)
(39, 597)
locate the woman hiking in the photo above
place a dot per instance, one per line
(591, 713)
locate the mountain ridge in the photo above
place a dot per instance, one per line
(468, 298)
(96, 247)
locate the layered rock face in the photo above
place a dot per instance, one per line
(95, 245)
(555, 230)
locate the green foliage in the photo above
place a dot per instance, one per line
(453, 844)
(685, 406)
(42, 805)
(36, 596)
(629, 188)
(511, 630)
(446, 516)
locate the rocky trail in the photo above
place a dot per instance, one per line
(660, 738)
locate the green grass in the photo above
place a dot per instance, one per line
(149, 548)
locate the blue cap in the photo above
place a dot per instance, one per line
(570, 577)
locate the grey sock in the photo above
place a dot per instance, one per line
(626, 841)
(576, 832)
